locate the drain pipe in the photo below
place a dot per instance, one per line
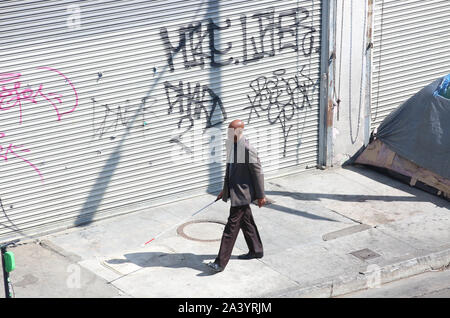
(327, 74)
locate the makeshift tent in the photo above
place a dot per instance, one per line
(413, 142)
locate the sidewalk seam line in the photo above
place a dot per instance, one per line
(361, 184)
(396, 238)
(284, 275)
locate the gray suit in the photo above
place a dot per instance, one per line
(244, 179)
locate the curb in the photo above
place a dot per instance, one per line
(375, 277)
(58, 250)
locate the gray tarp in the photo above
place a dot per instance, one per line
(419, 130)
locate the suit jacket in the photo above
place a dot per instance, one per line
(244, 179)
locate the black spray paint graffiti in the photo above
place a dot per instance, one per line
(263, 34)
(275, 33)
(191, 40)
(285, 28)
(193, 99)
(279, 98)
(108, 119)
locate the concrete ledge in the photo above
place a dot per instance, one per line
(376, 276)
(317, 290)
(347, 231)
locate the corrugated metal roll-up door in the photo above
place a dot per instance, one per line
(109, 107)
(411, 49)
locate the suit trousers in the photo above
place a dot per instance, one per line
(240, 218)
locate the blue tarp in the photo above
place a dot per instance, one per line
(419, 129)
(444, 87)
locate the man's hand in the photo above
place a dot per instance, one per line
(219, 196)
(262, 202)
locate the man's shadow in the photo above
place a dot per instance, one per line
(171, 260)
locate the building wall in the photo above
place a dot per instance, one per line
(350, 86)
(105, 103)
(409, 50)
(110, 107)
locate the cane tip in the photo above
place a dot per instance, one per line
(148, 242)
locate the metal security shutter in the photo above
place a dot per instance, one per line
(108, 107)
(411, 50)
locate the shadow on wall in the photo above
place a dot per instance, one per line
(102, 181)
(216, 86)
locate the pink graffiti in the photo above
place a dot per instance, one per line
(11, 149)
(10, 97)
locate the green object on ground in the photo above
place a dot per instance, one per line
(10, 263)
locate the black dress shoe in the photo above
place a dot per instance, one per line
(250, 255)
(215, 267)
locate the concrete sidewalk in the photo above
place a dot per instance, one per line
(328, 233)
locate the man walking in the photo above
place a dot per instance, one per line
(243, 183)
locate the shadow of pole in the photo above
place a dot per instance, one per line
(347, 197)
(97, 192)
(300, 213)
(215, 83)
